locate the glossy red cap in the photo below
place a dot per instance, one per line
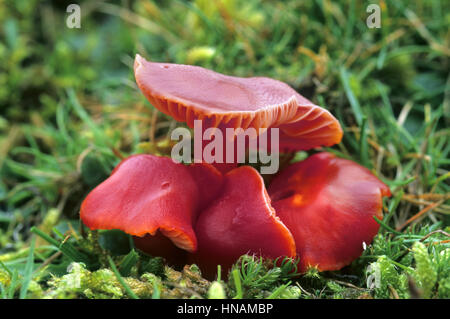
(143, 195)
(187, 93)
(241, 220)
(329, 205)
(209, 182)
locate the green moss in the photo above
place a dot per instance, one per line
(100, 284)
(444, 288)
(291, 292)
(383, 278)
(216, 291)
(5, 279)
(425, 274)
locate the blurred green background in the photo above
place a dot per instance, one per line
(70, 108)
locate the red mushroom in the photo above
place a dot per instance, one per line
(241, 220)
(189, 93)
(324, 205)
(144, 194)
(329, 205)
(154, 197)
(209, 182)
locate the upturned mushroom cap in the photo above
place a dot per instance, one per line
(143, 195)
(329, 205)
(241, 220)
(187, 93)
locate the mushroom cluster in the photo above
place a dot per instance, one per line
(321, 209)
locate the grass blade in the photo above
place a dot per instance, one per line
(357, 111)
(28, 270)
(65, 247)
(121, 280)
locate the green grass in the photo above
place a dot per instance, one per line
(70, 109)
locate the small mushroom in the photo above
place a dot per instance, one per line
(329, 205)
(189, 93)
(241, 220)
(154, 199)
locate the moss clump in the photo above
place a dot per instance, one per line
(5, 279)
(100, 284)
(186, 284)
(425, 274)
(384, 279)
(443, 259)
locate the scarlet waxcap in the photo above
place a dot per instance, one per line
(329, 205)
(189, 93)
(241, 220)
(209, 182)
(144, 194)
